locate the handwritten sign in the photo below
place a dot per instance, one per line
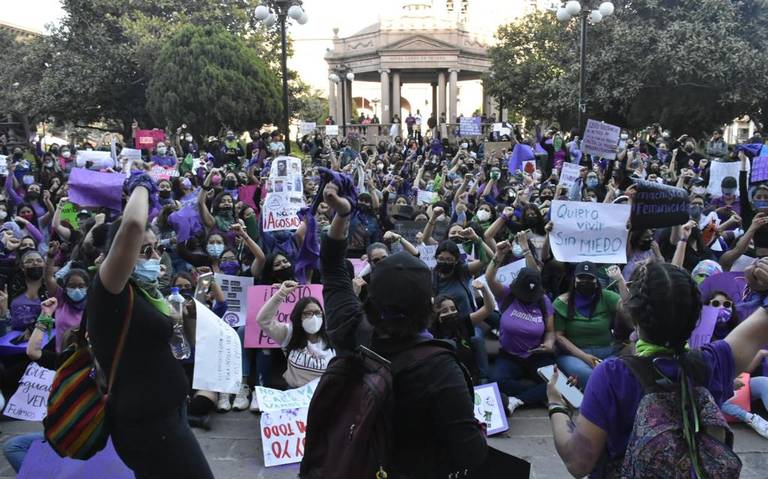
(235, 289)
(161, 173)
(569, 175)
(719, 170)
(130, 154)
(99, 160)
(506, 274)
(258, 296)
(332, 130)
(148, 139)
(601, 139)
(274, 400)
(30, 401)
(702, 333)
(307, 127)
(585, 231)
(658, 206)
(489, 409)
(285, 195)
(68, 213)
(424, 197)
(427, 254)
(283, 434)
(759, 169)
(470, 126)
(218, 354)
(3, 165)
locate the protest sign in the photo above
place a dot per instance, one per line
(359, 265)
(601, 139)
(274, 400)
(657, 206)
(470, 126)
(331, 130)
(148, 139)
(97, 189)
(283, 435)
(742, 263)
(719, 170)
(502, 129)
(3, 165)
(529, 167)
(759, 169)
(30, 401)
(258, 296)
(586, 231)
(99, 160)
(568, 175)
(427, 254)
(489, 409)
(235, 289)
(424, 197)
(218, 354)
(42, 462)
(410, 229)
(520, 154)
(506, 274)
(285, 195)
(162, 173)
(307, 127)
(68, 213)
(245, 194)
(130, 154)
(702, 333)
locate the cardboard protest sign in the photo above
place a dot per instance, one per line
(148, 139)
(3, 165)
(42, 461)
(331, 130)
(285, 195)
(235, 289)
(307, 127)
(506, 274)
(489, 409)
(283, 434)
(274, 400)
(702, 333)
(218, 354)
(719, 170)
(470, 126)
(97, 189)
(568, 175)
(601, 139)
(30, 401)
(258, 296)
(68, 213)
(656, 205)
(584, 231)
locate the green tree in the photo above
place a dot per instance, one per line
(308, 105)
(691, 65)
(210, 78)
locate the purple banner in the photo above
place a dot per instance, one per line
(759, 169)
(7, 348)
(42, 462)
(96, 189)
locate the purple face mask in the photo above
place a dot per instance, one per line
(230, 267)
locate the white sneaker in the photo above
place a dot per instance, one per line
(223, 405)
(241, 399)
(254, 404)
(759, 424)
(514, 403)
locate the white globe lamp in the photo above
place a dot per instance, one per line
(261, 12)
(562, 15)
(595, 16)
(295, 12)
(573, 8)
(606, 9)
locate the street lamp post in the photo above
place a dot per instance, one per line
(564, 14)
(271, 12)
(341, 74)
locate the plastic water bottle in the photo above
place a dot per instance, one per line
(179, 344)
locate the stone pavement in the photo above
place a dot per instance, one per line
(233, 447)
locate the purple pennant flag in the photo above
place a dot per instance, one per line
(96, 189)
(702, 333)
(42, 461)
(520, 154)
(752, 149)
(309, 253)
(186, 222)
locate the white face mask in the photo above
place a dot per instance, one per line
(66, 154)
(161, 151)
(483, 215)
(3, 215)
(313, 324)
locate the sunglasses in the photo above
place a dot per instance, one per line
(149, 249)
(716, 303)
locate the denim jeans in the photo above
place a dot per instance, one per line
(481, 354)
(263, 358)
(15, 449)
(573, 366)
(758, 388)
(518, 377)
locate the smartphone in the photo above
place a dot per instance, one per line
(571, 394)
(203, 285)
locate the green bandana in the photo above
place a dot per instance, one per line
(224, 220)
(158, 302)
(644, 349)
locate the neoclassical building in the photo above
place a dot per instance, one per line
(426, 42)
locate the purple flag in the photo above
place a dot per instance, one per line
(42, 461)
(309, 254)
(97, 189)
(186, 222)
(752, 149)
(520, 154)
(759, 169)
(702, 333)
(539, 150)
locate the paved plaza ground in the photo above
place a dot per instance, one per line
(233, 447)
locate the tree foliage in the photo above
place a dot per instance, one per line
(691, 65)
(209, 78)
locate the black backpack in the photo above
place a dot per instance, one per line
(349, 423)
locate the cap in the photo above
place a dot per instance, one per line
(729, 182)
(586, 268)
(399, 284)
(527, 286)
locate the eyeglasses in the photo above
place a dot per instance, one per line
(309, 314)
(148, 250)
(716, 303)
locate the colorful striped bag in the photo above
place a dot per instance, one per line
(76, 424)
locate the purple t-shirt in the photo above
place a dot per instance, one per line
(522, 325)
(613, 394)
(24, 311)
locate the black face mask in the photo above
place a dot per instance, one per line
(164, 194)
(445, 268)
(230, 184)
(586, 289)
(283, 274)
(17, 156)
(689, 149)
(32, 195)
(644, 245)
(34, 273)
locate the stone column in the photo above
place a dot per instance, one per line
(440, 94)
(350, 104)
(396, 95)
(386, 108)
(453, 103)
(434, 100)
(332, 101)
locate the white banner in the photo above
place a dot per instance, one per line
(130, 154)
(719, 170)
(235, 289)
(285, 195)
(331, 130)
(307, 127)
(30, 401)
(569, 175)
(218, 354)
(601, 139)
(274, 400)
(585, 231)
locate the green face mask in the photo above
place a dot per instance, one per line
(557, 143)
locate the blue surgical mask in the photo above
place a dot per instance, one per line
(517, 250)
(76, 294)
(146, 270)
(591, 183)
(215, 250)
(760, 204)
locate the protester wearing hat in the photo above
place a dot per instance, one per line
(526, 332)
(583, 321)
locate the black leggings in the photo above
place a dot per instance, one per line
(161, 448)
